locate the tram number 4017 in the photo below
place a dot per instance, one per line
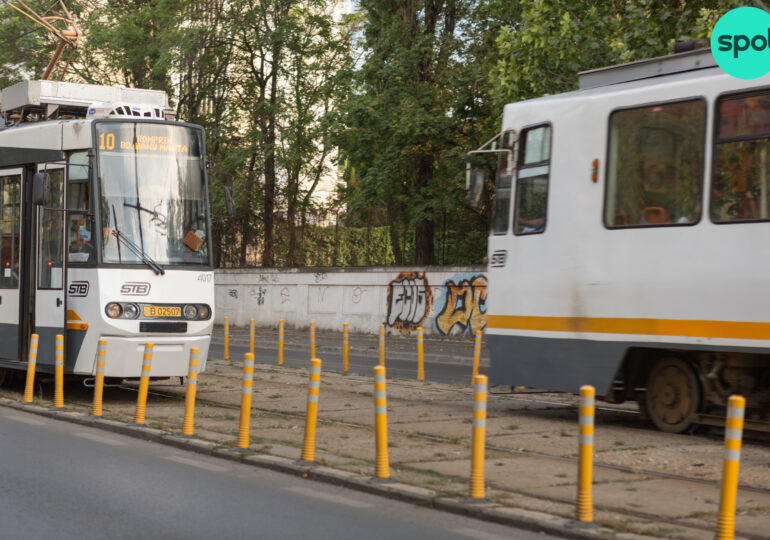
(205, 278)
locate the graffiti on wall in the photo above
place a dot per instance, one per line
(258, 294)
(409, 301)
(463, 306)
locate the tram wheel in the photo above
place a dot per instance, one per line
(673, 398)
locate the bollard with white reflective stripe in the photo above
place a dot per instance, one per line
(144, 384)
(345, 349)
(420, 356)
(251, 335)
(736, 407)
(308, 445)
(58, 394)
(382, 468)
(479, 434)
(29, 388)
(227, 338)
(189, 399)
(246, 390)
(585, 512)
(476, 355)
(280, 342)
(312, 339)
(101, 353)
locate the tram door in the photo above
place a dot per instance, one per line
(50, 272)
(10, 246)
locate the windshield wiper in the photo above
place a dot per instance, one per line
(139, 252)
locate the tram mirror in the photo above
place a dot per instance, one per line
(41, 185)
(476, 186)
(229, 202)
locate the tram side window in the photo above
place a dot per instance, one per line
(655, 165)
(50, 261)
(532, 181)
(740, 189)
(10, 229)
(79, 222)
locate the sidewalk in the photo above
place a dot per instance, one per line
(530, 467)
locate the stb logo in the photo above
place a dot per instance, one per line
(78, 288)
(740, 42)
(135, 289)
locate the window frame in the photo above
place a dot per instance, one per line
(765, 90)
(88, 214)
(650, 104)
(519, 163)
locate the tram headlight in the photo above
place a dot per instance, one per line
(204, 312)
(131, 311)
(190, 311)
(113, 310)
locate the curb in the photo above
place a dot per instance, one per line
(515, 517)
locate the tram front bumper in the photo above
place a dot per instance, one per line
(170, 357)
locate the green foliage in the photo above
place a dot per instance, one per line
(543, 51)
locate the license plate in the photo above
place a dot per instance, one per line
(162, 311)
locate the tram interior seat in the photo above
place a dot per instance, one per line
(654, 214)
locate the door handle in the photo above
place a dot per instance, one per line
(58, 302)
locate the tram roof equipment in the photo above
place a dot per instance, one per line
(45, 100)
(646, 69)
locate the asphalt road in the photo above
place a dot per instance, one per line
(68, 481)
(400, 362)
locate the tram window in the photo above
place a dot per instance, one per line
(501, 204)
(740, 188)
(79, 224)
(50, 261)
(9, 228)
(532, 181)
(655, 165)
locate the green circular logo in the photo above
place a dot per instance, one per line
(740, 42)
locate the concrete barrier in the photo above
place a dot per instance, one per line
(442, 300)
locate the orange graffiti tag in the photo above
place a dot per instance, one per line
(466, 306)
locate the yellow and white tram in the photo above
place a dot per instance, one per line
(629, 240)
(105, 230)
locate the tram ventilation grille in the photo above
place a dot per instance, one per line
(167, 327)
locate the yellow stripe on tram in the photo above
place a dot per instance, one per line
(655, 327)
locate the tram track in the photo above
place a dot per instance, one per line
(156, 391)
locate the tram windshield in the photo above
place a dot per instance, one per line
(152, 194)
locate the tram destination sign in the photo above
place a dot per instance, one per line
(161, 144)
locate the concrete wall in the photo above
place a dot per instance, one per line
(443, 300)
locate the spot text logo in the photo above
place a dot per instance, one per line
(740, 42)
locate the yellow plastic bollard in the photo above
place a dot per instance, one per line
(280, 342)
(476, 490)
(736, 408)
(312, 340)
(314, 386)
(345, 349)
(29, 388)
(382, 345)
(251, 335)
(246, 390)
(101, 353)
(420, 356)
(585, 510)
(144, 384)
(188, 425)
(227, 338)
(476, 355)
(58, 394)
(382, 469)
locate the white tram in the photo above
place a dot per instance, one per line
(105, 230)
(629, 240)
